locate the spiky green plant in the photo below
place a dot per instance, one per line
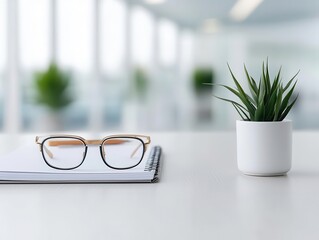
(268, 100)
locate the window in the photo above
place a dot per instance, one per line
(74, 34)
(142, 25)
(3, 34)
(3, 52)
(112, 29)
(167, 43)
(33, 27)
(34, 34)
(187, 52)
(74, 29)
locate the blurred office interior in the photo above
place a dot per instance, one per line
(136, 65)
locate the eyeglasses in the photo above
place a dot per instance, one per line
(67, 152)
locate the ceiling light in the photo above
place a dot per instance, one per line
(210, 25)
(243, 8)
(155, 1)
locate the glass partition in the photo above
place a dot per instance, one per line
(3, 55)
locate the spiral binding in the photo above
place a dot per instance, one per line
(154, 159)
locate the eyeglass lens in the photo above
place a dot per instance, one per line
(123, 152)
(63, 152)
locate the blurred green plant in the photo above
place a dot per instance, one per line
(203, 80)
(267, 101)
(141, 82)
(51, 88)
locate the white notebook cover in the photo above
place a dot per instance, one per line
(26, 165)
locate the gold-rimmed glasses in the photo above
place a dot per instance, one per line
(67, 152)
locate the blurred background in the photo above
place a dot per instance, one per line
(139, 65)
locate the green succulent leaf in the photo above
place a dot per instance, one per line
(286, 99)
(243, 95)
(276, 81)
(290, 81)
(233, 102)
(270, 106)
(282, 117)
(252, 86)
(241, 113)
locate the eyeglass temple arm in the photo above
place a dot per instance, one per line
(48, 151)
(55, 143)
(138, 147)
(133, 153)
(50, 154)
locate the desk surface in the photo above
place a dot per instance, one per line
(201, 195)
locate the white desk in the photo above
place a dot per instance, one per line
(201, 195)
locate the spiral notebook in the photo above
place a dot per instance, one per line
(26, 165)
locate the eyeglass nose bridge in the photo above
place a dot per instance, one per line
(93, 142)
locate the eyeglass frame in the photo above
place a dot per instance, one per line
(86, 142)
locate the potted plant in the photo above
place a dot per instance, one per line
(203, 83)
(51, 90)
(141, 83)
(264, 137)
(201, 77)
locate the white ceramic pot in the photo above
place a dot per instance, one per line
(264, 148)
